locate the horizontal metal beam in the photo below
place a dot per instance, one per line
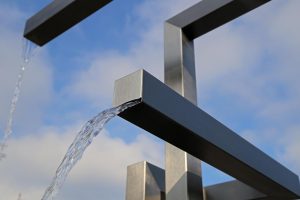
(232, 190)
(210, 14)
(59, 16)
(174, 119)
(146, 182)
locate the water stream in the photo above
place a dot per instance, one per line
(83, 139)
(28, 52)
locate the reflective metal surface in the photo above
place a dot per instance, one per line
(145, 182)
(183, 171)
(174, 119)
(59, 16)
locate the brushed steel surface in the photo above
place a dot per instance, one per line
(179, 61)
(183, 175)
(57, 17)
(182, 171)
(168, 115)
(121, 94)
(145, 182)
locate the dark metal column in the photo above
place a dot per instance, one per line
(57, 17)
(182, 171)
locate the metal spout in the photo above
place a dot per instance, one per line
(163, 111)
(57, 17)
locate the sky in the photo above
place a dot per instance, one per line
(247, 78)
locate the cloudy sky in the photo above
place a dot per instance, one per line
(248, 78)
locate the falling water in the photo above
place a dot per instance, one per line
(28, 52)
(83, 139)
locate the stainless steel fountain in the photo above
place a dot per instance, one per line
(169, 111)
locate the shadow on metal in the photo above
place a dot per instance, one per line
(145, 182)
(174, 119)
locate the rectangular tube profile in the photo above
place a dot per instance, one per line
(210, 14)
(57, 17)
(174, 119)
(145, 182)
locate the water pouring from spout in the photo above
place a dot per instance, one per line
(28, 52)
(83, 139)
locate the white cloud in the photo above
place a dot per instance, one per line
(96, 82)
(33, 160)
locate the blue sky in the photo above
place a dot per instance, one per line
(247, 78)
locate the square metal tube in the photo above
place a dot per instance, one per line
(182, 171)
(211, 14)
(145, 182)
(57, 17)
(174, 119)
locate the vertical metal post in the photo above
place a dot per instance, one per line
(145, 182)
(183, 171)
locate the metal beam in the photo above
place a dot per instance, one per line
(174, 119)
(233, 190)
(183, 171)
(59, 16)
(210, 14)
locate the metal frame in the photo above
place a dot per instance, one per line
(174, 119)
(201, 135)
